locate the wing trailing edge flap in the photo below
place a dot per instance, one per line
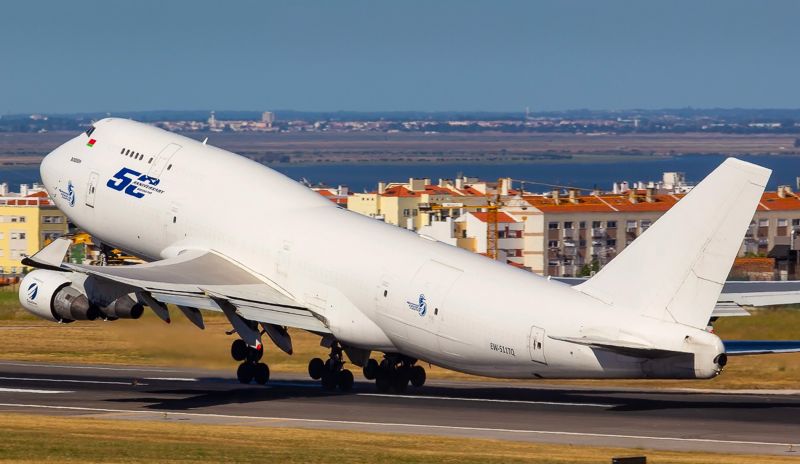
(196, 278)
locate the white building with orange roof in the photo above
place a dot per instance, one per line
(510, 239)
(571, 235)
(408, 204)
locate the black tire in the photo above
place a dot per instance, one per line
(329, 380)
(345, 380)
(418, 376)
(239, 350)
(261, 373)
(371, 369)
(245, 373)
(316, 367)
(255, 355)
(400, 380)
(383, 382)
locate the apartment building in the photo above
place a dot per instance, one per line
(564, 233)
(27, 224)
(574, 235)
(416, 203)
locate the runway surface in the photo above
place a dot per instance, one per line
(672, 420)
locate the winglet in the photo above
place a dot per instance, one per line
(49, 257)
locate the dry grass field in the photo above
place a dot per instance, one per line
(412, 147)
(35, 439)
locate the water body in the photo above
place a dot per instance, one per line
(362, 177)
(785, 169)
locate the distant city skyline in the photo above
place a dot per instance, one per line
(94, 56)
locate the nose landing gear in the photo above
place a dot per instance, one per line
(331, 373)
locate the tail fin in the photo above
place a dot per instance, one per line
(675, 270)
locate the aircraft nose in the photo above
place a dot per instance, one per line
(48, 172)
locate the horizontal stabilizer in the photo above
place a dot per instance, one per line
(745, 347)
(629, 348)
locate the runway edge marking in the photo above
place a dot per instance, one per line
(487, 400)
(102, 382)
(393, 424)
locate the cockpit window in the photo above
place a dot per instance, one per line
(89, 131)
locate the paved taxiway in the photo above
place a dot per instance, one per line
(673, 420)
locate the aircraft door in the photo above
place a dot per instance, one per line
(428, 312)
(91, 188)
(162, 160)
(389, 307)
(536, 345)
(173, 224)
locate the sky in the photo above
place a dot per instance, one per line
(466, 55)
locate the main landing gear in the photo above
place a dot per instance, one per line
(395, 372)
(250, 369)
(331, 373)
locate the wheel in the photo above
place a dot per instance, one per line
(370, 370)
(261, 373)
(316, 368)
(383, 382)
(254, 355)
(245, 373)
(418, 376)
(400, 380)
(329, 380)
(344, 380)
(239, 350)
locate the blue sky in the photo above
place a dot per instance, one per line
(71, 56)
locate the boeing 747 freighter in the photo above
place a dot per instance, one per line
(277, 255)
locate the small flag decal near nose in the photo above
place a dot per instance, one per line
(91, 143)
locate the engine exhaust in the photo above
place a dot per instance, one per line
(123, 307)
(70, 304)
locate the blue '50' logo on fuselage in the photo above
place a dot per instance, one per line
(134, 183)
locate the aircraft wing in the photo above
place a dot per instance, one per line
(196, 279)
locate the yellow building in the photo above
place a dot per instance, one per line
(402, 204)
(27, 224)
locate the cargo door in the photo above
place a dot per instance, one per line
(427, 310)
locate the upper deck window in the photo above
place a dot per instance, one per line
(89, 131)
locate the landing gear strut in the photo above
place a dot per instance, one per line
(331, 373)
(250, 369)
(395, 372)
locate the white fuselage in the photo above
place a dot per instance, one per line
(365, 277)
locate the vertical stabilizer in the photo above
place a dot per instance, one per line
(675, 270)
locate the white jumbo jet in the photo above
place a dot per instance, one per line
(279, 255)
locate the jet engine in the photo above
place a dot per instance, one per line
(50, 295)
(123, 308)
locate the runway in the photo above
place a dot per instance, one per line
(670, 420)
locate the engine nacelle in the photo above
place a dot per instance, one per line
(50, 295)
(123, 307)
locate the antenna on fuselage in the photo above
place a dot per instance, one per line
(205, 140)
